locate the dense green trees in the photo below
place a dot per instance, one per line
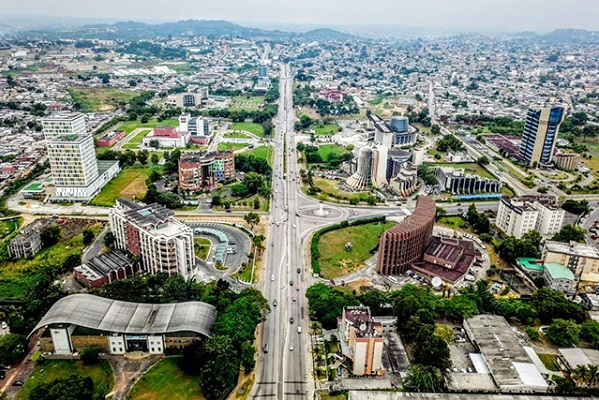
(427, 173)
(250, 163)
(527, 246)
(576, 207)
(12, 348)
(479, 221)
(326, 304)
(90, 355)
(88, 237)
(563, 333)
(570, 233)
(450, 142)
(73, 387)
(50, 235)
(423, 378)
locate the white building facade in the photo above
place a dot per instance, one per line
(518, 215)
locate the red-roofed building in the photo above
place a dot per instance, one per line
(167, 136)
(332, 95)
(111, 138)
(448, 258)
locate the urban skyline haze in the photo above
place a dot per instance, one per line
(353, 15)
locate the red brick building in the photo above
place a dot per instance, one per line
(406, 242)
(105, 268)
(111, 138)
(199, 172)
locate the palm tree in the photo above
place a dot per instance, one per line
(580, 374)
(593, 375)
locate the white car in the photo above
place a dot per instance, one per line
(4, 325)
(272, 277)
(299, 329)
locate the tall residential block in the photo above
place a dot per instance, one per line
(540, 135)
(362, 340)
(164, 244)
(518, 215)
(76, 172)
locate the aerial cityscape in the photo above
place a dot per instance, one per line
(345, 200)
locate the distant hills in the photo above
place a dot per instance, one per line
(189, 28)
(564, 36)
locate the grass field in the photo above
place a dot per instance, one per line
(326, 149)
(129, 183)
(264, 152)
(137, 139)
(246, 103)
(201, 247)
(165, 381)
(336, 261)
(51, 370)
(325, 129)
(251, 127)
(230, 146)
(100, 99)
(331, 186)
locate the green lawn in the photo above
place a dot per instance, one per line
(244, 274)
(336, 261)
(236, 135)
(264, 152)
(100, 99)
(331, 186)
(326, 149)
(8, 227)
(201, 247)
(130, 126)
(325, 129)
(453, 222)
(129, 183)
(165, 381)
(230, 146)
(51, 370)
(137, 139)
(251, 127)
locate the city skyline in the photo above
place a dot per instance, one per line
(459, 15)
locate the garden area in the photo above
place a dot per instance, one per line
(100, 99)
(130, 126)
(137, 139)
(166, 381)
(344, 250)
(51, 370)
(129, 183)
(264, 152)
(325, 189)
(222, 146)
(8, 227)
(325, 129)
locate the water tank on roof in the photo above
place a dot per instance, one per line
(437, 283)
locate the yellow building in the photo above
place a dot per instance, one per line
(581, 259)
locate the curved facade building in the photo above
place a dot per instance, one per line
(406, 242)
(362, 178)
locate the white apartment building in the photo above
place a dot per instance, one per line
(518, 215)
(362, 340)
(164, 244)
(76, 173)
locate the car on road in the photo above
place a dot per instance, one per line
(18, 383)
(272, 277)
(291, 320)
(299, 271)
(265, 349)
(297, 287)
(291, 346)
(299, 329)
(290, 283)
(294, 297)
(294, 226)
(274, 303)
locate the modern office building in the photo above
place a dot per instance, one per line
(457, 182)
(580, 258)
(164, 244)
(567, 161)
(362, 340)
(79, 321)
(362, 178)
(200, 171)
(394, 134)
(405, 182)
(406, 242)
(519, 215)
(198, 128)
(76, 172)
(540, 135)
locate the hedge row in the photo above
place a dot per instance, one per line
(315, 254)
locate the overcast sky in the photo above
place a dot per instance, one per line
(494, 15)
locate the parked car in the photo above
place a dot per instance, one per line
(18, 383)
